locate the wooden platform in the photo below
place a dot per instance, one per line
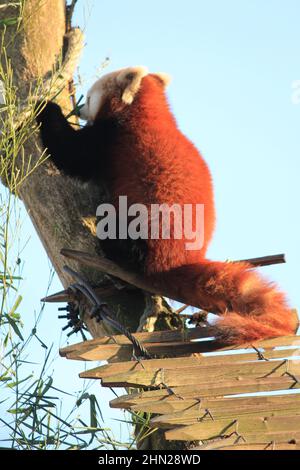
(190, 387)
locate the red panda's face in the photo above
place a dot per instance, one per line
(120, 86)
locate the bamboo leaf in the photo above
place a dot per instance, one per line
(14, 326)
(9, 21)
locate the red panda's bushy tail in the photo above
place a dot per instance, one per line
(251, 307)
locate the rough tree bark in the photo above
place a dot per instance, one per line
(56, 204)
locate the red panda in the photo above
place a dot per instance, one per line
(132, 142)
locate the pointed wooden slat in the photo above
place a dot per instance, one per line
(180, 336)
(68, 295)
(201, 374)
(232, 408)
(152, 337)
(118, 352)
(229, 444)
(195, 360)
(192, 385)
(273, 342)
(186, 433)
(150, 364)
(266, 446)
(162, 397)
(170, 411)
(189, 408)
(252, 429)
(61, 296)
(219, 442)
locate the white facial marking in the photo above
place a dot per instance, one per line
(130, 80)
(84, 111)
(127, 81)
(164, 77)
(94, 105)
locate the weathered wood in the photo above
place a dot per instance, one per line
(275, 342)
(189, 433)
(265, 260)
(163, 400)
(144, 337)
(252, 429)
(232, 408)
(68, 295)
(191, 410)
(191, 389)
(177, 363)
(113, 352)
(266, 446)
(180, 336)
(198, 375)
(119, 348)
(229, 444)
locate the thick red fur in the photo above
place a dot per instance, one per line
(140, 151)
(169, 169)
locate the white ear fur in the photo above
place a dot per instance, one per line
(130, 78)
(164, 77)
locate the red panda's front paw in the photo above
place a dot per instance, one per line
(45, 112)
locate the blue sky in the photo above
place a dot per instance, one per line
(233, 64)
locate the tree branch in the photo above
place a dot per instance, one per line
(137, 280)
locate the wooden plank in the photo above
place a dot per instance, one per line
(124, 352)
(201, 374)
(183, 434)
(229, 444)
(232, 408)
(153, 337)
(269, 343)
(161, 399)
(194, 360)
(173, 408)
(265, 446)
(109, 352)
(190, 408)
(171, 337)
(150, 364)
(252, 429)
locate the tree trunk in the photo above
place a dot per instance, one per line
(57, 205)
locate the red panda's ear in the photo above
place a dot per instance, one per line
(164, 78)
(130, 80)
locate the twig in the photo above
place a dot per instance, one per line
(69, 14)
(265, 260)
(67, 295)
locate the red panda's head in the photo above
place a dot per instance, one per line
(117, 90)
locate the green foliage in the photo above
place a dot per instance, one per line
(9, 21)
(34, 413)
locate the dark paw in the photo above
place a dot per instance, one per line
(46, 111)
